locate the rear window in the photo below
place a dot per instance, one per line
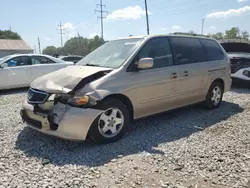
(213, 50)
(187, 50)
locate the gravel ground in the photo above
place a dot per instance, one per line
(190, 147)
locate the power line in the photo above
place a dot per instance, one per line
(188, 10)
(84, 19)
(101, 17)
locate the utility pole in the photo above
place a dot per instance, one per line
(146, 8)
(101, 17)
(34, 49)
(79, 39)
(202, 25)
(10, 28)
(39, 46)
(61, 33)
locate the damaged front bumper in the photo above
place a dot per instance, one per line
(62, 121)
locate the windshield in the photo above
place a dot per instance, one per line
(111, 54)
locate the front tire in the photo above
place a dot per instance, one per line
(112, 124)
(214, 95)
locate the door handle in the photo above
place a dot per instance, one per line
(173, 75)
(185, 73)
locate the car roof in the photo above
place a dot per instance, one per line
(166, 35)
(42, 55)
(16, 55)
(72, 56)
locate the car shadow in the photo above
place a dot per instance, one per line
(144, 135)
(240, 89)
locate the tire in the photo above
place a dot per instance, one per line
(102, 131)
(213, 100)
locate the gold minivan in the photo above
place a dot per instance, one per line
(124, 80)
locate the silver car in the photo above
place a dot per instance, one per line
(124, 80)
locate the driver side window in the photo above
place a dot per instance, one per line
(159, 50)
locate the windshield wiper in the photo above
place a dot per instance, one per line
(93, 65)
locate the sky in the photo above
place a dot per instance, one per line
(41, 18)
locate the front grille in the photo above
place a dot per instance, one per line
(36, 96)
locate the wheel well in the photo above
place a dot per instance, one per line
(125, 101)
(221, 82)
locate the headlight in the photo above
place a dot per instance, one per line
(82, 101)
(246, 73)
(79, 101)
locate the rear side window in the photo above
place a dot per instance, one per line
(187, 50)
(213, 50)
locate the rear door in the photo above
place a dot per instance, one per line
(191, 59)
(42, 65)
(17, 74)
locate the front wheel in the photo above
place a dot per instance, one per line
(214, 95)
(112, 124)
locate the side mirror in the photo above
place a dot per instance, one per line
(3, 65)
(145, 63)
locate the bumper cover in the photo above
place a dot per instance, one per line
(72, 123)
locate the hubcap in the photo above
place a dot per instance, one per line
(111, 122)
(216, 95)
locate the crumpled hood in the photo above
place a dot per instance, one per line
(67, 79)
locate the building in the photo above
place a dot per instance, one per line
(9, 47)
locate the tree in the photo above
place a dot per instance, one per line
(95, 43)
(245, 35)
(217, 36)
(76, 46)
(233, 33)
(50, 50)
(7, 34)
(191, 32)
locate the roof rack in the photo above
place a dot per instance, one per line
(190, 34)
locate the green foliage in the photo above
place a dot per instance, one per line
(76, 46)
(50, 50)
(217, 36)
(7, 34)
(233, 33)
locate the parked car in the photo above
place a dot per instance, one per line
(72, 58)
(239, 54)
(20, 70)
(124, 80)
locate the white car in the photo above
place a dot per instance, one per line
(20, 70)
(240, 66)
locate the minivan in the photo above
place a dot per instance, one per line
(124, 80)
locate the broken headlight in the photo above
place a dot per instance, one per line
(82, 101)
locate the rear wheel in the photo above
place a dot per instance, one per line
(112, 124)
(214, 95)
